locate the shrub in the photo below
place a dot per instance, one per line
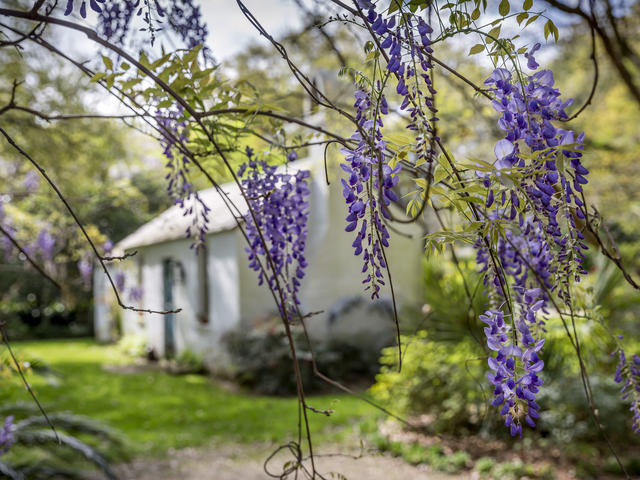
(262, 361)
(134, 345)
(188, 362)
(436, 379)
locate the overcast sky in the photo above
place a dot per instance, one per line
(230, 32)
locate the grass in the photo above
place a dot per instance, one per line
(158, 411)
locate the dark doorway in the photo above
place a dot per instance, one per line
(170, 318)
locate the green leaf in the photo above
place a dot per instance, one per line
(160, 61)
(189, 57)
(129, 84)
(531, 20)
(476, 49)
(475, 14)
(527, 4)
(494, 32)
(522, 17)
(108, 63)
(165, 103)
(440, 174)
(97, 77)
(144, 60)
(504, 8)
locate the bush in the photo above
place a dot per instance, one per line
(133, 345)
(437, 379)
(188, 362)
(262, 361)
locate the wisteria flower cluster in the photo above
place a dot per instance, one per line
(628, 374)
(368, 190)
(277, 229)
(515, 367)
(115, 18)
(6, 435)
(95, 6)
(173, 126)
(525, 259)
(534, 253)
(409, 51)
(540, 151)
(44, 245)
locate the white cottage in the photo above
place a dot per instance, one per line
(218, 292)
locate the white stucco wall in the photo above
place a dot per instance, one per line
(102, 301)
(236, 300)
(224, 295)
(335, 272)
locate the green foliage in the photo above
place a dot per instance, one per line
(40, 453)
(133, 345)
(417, 454)
(91, 162)
(516, 470)
(188, 362)
(450, 313)
(436, 379)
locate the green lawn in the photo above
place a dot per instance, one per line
(158, 411)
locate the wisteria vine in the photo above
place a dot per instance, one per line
(276, 226)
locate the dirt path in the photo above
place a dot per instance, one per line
(246, 463)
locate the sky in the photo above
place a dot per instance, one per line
(230, 32)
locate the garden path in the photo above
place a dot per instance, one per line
(245, 462)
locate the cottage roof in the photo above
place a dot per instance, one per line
(172, 224)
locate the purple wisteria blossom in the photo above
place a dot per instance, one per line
(173, 126)
(94, 4)
(6, 435)
(535, 254)
(116, 18)
(517, 364)
(46, 244)
(628, 374)
(136, 293)
(408, 45)
(85, 267)
(525, 258)
(279, 201)
(368, 191)
(31, 181)
(107, 247)
(120, 280)
(552, 172)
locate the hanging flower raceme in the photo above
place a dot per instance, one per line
(6, 435)
(628, 374)
(368, 190)
(94, 4)
(406, 40)
(547, 157)
(534, 254)
(115, 18)
(173, 127)
(277, 229)
(525, 259)
(517, 364)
